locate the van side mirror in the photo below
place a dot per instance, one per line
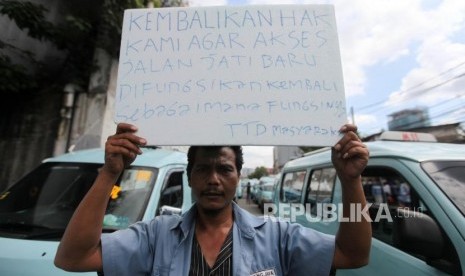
(417, 233)
(170, 210)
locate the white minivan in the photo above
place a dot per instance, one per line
(416, 191)
(34, 211)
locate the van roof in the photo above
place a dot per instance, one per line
(149, 158)
(416, 151)
(407, 136)
(419, 151)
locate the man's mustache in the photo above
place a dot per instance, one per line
(212, 192)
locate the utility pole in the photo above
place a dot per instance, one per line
(352, 116)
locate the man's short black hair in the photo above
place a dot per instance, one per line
(192, 152)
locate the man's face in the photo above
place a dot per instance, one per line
(214, 178)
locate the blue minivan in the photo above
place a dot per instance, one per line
(265, 190)
(416, 193)
(34, 211)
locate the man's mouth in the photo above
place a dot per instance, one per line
(212, 194)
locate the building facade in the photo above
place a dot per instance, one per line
(408, 119)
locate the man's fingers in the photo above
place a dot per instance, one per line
(131, 137)
(359, 150)
(348, 127)
(123, 144)
(119, 148)
(350, 144)
(345, 140)
(124, 127)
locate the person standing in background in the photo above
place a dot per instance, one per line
(248, 193)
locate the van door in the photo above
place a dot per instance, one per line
(397, 191)
(305, 196)
(175, 194)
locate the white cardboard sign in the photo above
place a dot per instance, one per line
(238, 75)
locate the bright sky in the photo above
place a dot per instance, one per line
(395, 55)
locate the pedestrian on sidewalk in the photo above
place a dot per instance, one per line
(248, 193)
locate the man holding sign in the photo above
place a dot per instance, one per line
(215, 235)
(252, 75)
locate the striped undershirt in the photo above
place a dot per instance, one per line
(223, 263)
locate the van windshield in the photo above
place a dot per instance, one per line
(41, 204)
(450, 177)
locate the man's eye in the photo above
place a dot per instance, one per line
(226, 169)
(199, 169)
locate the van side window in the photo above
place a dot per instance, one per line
(291, 189)
(172, 192)
(320, 188)
(387, 190)
(392, 196)
(312, 191)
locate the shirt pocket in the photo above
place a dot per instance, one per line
(265, 272)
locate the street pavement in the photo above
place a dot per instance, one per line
(252, 207)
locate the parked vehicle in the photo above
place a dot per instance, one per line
(265, 191)
(34, 212)
(417, 195)
(254, 190)
(238, 192)
(265, 195)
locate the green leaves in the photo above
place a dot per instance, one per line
(77, 35)
(259, 172)
(29, 17)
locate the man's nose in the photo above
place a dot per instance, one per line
(213, 178)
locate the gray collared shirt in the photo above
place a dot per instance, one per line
(163, 246)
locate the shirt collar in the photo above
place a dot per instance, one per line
(245, 221)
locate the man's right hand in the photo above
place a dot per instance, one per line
(122, 148)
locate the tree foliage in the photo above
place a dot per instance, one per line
(259, 172)
(15, 76)
(29, 17)
(78, 36)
